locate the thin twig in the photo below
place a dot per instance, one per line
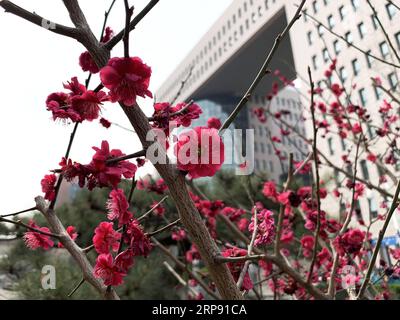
(169, 226)
(17, 213)
(332, 283)
(128, 15)
(350, 43)
(317, 179)
(382, 232)
(249, 249)
(143, 216)
(194, 275)
(375, 14)
(183, 83)
(21, 224)
(81, 282)
(282, 208)
(135, 21)
(61, 177)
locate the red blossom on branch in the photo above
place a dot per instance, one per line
(126, 78)
(35, 240)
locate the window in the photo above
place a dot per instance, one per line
(362, 30)
(398, 39)
(369, 59)
(393, 80)
(337, 47)
(363, 96)
(325, 55)
(330, 146)
(391, 10)
(355, 4)
(349, 37)
(262, 147)
(315, 62)
(375, 23)
(373, 208)
(342, 12)
(315, 6)
(356, 67)
(310, 37)
(320, 30)
(305, 15)
(331, 22)
(384, 49)
(378, 93)
(343, 74)
(364, 169)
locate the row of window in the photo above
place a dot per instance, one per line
(383, 47)
(390, 8)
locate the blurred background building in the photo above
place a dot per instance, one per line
(228, 56)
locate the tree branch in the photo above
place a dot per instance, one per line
(76, 252)
(38, 20)
(382, 232)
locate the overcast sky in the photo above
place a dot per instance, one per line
(35, 62)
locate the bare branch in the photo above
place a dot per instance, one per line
(169, 226)
(282, 208)
(349, 43)
(76, 252)
(183, 267)
(249, 250)
(117, 38)
(382, 232)
(317, 180)
(17, 213)
(38, 20)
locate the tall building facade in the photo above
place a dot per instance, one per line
(227, 58)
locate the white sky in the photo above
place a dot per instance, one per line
(35, 62)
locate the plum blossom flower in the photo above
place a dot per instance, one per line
(104, 173)
(87, 63)
(138, 241)
(307, 244)
(269, 190)
(58, 104)
(87, 105)
(86, 60)
(105, 123)
(71, 230)
(178, 235)
(200, 152)
(266, 228)
(124, 261)
(118, 206)
(214, 123)
(48, 186)
(236, 267)
(126, 78)
(187, 113)
(350, 242)
(107, 270)
(34, 240)
(106, 238)
(78, 105)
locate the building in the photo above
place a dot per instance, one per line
(228, 56)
